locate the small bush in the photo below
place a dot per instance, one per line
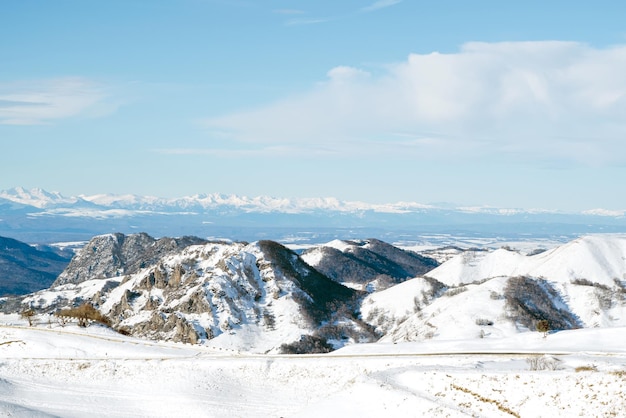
(543, 326)
(84, 314)
(308, 344)
(537, 363)
(495, 295)
(586, 282)
(484, 321)
(456, 291)
(124, 331)
(29, 315)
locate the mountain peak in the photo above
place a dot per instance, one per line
(36, 197)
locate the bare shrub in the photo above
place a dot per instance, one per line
(603, 293)
(456, 291)
(29, 315)
(538, 363)
(495, 295)
(543, 326)
(85, 314)
(586, 282)
(269, 320)
(484, 322)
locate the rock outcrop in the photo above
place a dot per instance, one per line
(117, 254)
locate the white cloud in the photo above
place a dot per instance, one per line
(380, 4)
(343, 73)
(531, 100)
(42, 101)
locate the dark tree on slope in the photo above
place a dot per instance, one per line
(320, 295)
(365, 261)
(307, 344)
(529, 301)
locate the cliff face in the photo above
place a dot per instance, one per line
(118, 254)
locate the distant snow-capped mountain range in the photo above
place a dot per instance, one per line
(43, 199)
(39, 215)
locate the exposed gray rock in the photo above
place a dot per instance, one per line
(206, 291)
(117, 254)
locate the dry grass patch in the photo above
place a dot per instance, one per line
(588, 368)
(482, 398)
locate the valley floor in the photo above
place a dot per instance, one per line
(71, 372)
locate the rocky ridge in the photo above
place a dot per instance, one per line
(368, 264)
(117, 254)
(262, 295)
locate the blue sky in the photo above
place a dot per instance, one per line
(510, 104)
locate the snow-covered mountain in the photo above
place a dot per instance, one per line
(36, 215)
(43, 199)
(263, 297)
(491, 294)
(368, 264)
(258, 297)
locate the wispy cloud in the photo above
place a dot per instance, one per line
(42, 101)
(380, 4)
(535, 101)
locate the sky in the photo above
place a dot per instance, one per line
(492, 103)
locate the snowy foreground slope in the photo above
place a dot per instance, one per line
(71, 372)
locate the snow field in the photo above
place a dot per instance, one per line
(72, 372)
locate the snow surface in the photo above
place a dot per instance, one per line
(597, 258)
(588, 275)
(48, 371)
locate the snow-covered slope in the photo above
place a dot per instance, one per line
(595, 258)
(52, 371)
(493, 294)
